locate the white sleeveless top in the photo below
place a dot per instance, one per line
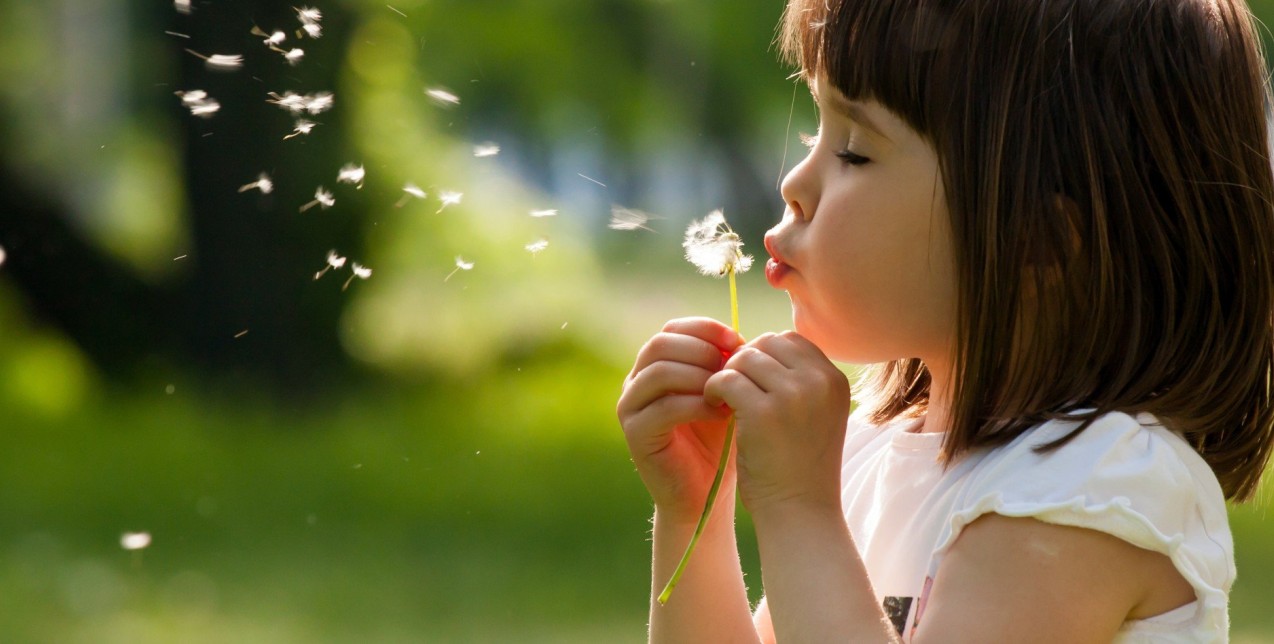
(1125, 476)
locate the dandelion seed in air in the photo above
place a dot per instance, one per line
(410, 190)
(461, 265)
(486, 150)
(199, 103)
(134, 540)
(442, 97)
(263, 183)
(220, 62)
(449, 199)
(182, 6)
(628, 219)
(297, 103)
(333, 261)
(310, 18)
(551, 212)
(361, 272)
(352, 174)
(538, 245)
(321, 198)
(276, 39)
(293, 56)
(303, 126)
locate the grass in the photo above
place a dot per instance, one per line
(501, 509)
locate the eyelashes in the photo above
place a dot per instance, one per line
(849, 158)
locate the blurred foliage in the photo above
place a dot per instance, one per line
(421, 455)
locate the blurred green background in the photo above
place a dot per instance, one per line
(428, 454)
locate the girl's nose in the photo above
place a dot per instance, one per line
(798, 191)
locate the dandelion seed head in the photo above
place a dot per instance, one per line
(714, 248)
(462, 264)
(628, 219)
(276, 38)
(308, 14)
(313, 29)
(263, 183)
(486, 150)
(324, 198)
(551, 212)
(294, 56)
(351, 173)
(134, 540)
(538, 245)
(360, 271)
(442, 97)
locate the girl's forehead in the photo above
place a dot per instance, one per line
(866, 112)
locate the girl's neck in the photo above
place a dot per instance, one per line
(939, 409)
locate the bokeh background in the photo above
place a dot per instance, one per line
(425, 455)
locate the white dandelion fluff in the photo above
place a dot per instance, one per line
(310, 17)
(360, 272)
(713, 247)
(461, 265)
(296, 103)
(442, 97)
(293, 56)
(134, 540)
(263, 183)
(182, 6)
(199, 103)
(303, 126)
(628, 219)
(321, 198)
(219, 62)
(276, 39)
(449, 198)
(538, 245)
(334, 261)
(352, 174)
(410, 190)
(486, 150)
(550, 212)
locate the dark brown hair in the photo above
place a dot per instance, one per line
(1109, 184)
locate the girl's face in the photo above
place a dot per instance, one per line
(864, 248)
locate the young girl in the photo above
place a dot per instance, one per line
(1049, 225)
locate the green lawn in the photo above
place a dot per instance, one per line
(504, 509)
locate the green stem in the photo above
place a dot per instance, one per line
(721, 464)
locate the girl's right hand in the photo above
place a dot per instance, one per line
(675, 438)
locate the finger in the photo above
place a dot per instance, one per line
(720, 335)
(730, 387)
(650, 428)
(788, 348)
(676, 347)
(766, 372)
(658, 380)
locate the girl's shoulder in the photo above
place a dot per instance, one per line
(1125, 475)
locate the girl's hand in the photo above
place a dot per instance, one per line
(791, 405)
(675, 438)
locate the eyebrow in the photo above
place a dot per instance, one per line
(853, 111)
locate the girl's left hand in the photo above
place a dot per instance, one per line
(790, 405)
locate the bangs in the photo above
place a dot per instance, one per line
(884, 50)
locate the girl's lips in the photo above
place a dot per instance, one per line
(775, 271)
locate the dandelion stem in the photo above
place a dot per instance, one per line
(721, 465)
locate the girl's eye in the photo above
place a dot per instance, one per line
(852, 159)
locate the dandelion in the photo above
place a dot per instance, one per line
(449, 199)
(352, 174)
(461, 265)
(442, 97)
(361, 272)
(551, 212)
(334, 261)
(627, 219)
(221, 62)
(713, 247)
(134, 540)
(199, 103)
(411, 190)
(321, 198)
(303, 126)
(486, 150)
(538, 245)
(263, 183)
